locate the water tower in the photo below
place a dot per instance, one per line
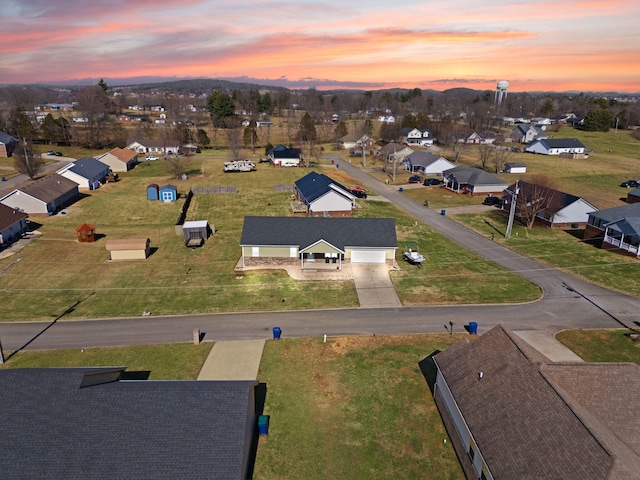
(501, 91)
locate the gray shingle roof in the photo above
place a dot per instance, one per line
(10, 216)
(616, 213)
(304, 231)
(532, 419)
(560, 143)
(464, 175)
(88, 167)
(49, 188)
(53, 428)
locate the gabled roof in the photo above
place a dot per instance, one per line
(124, 154)
(86, 167)
(550, 143)
(423, 159)
(7, 139)
(392, 148)
(629, 210)
(534, 419)
(626, 226)
(77, 423)
(304, 231)
(314, 185)
(559, 200)
(280, 151)
(10, 216)
(49, 188)
(464, 175)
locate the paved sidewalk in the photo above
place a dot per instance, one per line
(233, 360)
(545, 342)
(374, 286)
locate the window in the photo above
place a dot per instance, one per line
(472, 452)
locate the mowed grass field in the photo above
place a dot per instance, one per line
(56, 272)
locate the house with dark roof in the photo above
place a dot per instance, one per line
(46, 195)
(524, 133)
(7, 144)
(119, 159)
(559, 209)
(13, 224)
(394, 151)
(87, 172)
(616, 228)
(513, 414)
(426, 163)
(282, 156)
(323, 196)
(633, 196)
(463, 179)
(102, 423)
(556, 146)
(314, 241)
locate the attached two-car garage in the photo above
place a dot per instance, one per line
(368, 256)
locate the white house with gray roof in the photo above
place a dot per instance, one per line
(426, 163)
(472, 180)
(616, 228)
(87, 172)
(555, 146)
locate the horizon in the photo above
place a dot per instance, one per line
(573, 46)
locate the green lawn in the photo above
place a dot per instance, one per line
(602, 345)
(355, 407)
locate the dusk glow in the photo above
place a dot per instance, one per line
(535, 45)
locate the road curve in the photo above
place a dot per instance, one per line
(568, 302)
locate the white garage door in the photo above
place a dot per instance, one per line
(367, 256)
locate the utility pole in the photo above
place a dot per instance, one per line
(364, 154)
(512, 208)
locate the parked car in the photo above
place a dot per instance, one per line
(491, 200)
(152, 158)
(432, 181)
(357, 192)
(630, 183)
(50, 152)
(415, 179)
(265, 160)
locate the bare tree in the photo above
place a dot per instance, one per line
(177, 164)
(485, 152)
(234, 141)
(535, 197)
(27, 160)
(501, 155)
(457, 149)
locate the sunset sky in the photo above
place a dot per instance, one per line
(534, 44)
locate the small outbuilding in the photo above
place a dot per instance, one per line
(515, 167)
(86, 233)
(195, 232)
(129, 249)
(153, 192)
(168, 193)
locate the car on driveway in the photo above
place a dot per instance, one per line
(491, 200)
(428, 182)
(265, 160)
(50, 152)
(152, 158)
(59, 154)
(630, 183)
(415, 179)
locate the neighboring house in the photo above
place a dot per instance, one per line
(515, 167)
(481, 138)
(426, 163)
(616, 228)
(555, 146)
(416, 137)
(513, 414)
(561, 209)
(154, 146)
(119, 159)
(323, 196)
(104, 423)
(282, 156)
(129, 249)
(7, 144)
(168, 193)
(523, 133)
(46, 195)
(465, 179)
(313, 241)
(13, 224)
(353, 141)
(394, 151)
(87, 172)
(541, 121)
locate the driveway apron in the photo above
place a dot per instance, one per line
(374, 286)
(233, 360)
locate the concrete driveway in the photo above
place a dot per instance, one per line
(374, 286)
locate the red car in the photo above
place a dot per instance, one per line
(357, 192)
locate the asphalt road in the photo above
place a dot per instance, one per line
(568, 302)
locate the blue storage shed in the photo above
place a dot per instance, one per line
(153, 192)
(168, 193)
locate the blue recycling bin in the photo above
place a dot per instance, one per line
(263, 424)
(473, 328)
(276, 333)
(400, 189)
(443, 212)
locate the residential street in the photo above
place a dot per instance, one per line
(568, 302)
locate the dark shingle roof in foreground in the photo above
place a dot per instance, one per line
(55, 427)
(535, 419)
(304, 231)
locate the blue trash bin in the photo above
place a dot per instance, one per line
(443, 212)
(473, 328)
(263, 424)
(276, 333)
(400, 189)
